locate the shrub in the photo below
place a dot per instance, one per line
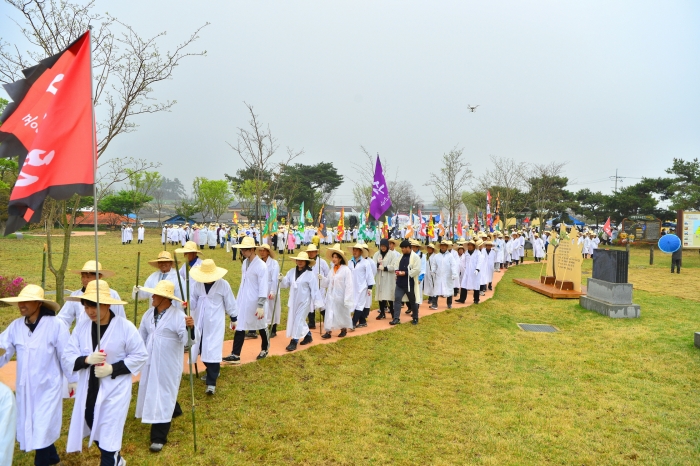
(10, 286)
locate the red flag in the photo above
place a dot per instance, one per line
(606, 228)
(422, 223)
(341, 226)
(49, 125)
(459, 225)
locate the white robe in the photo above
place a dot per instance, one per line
(430, 275)
(362, 277)
(162, 235)
(161, 375)
(254, 286)
(385, 280)
(141, 233)
(538, 247)
(211, 238)
(340, 300)
(120, 342)
(320, 267)
(488, 266)
(203, 236)
(303, 295)
(39, 381)
(209, 313)
(446, 272)
(124, 235)
(273, 307)
(473, 262)
(74, 311)
(8, 425)
(455, 255)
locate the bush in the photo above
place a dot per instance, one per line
(10, 286)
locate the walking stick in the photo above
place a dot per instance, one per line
(189, 343)
(136, 301)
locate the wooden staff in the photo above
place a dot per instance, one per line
(136, 301)
(274, 306)
(189, 343)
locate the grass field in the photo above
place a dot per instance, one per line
(466, 386)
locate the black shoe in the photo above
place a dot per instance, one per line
(262, 355)
(291, 346)
(408, 311)
(476, 302)
(307, 339)
(362, 325)
(414, 321)
(460, 302)
(232, 358)
(382, 315)
(490, 288)
(395, 322)
(326, 335)
(273, 332)
(342, 333)
(312, 328)
(251, 335)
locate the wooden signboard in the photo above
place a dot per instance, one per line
(643, 227)
(567, 261)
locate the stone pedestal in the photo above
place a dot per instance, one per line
(610, 299)
(697, 339)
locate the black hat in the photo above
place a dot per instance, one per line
(405, 244)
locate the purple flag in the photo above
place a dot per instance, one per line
(381, 200)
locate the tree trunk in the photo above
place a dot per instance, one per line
(67, 226)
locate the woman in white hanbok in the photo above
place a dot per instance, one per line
(340, 299)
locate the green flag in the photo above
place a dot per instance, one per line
(301, 217)
(272, 221)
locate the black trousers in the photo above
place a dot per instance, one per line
(213, 370)
(159, 432)
(108, 458)
(358, 317)
(312, 319)
(46, 456)
(399, 293)
(384, 306)
(239, 339)
(676, 263)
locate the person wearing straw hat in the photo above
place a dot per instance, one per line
(489, 254)
(385, 278)
(273, 305)
(363, 282)
(340, 300)
(164, 263)
(408, 268)
(416, 247)
(253, 292)
(498, 245)
(211, 300)
(319, 267)
(141, 233)
(303, 295)
(445, 274)
(164, 330)
(163, 233)
(39, 339)
(474, 262)
(203, 236)
(192, 256)
(74, 311)
(104, 376)
(430, 276)
(538, 247)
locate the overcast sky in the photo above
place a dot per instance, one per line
(603, 85)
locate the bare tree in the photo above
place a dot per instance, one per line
(545, 182)
(125, 68)
(404, 197)
(256, 147)
(506, 179)
(447, 185)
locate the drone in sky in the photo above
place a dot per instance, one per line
(472, 109)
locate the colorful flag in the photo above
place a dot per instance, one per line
(607, 229)
(422, 223)
(381, 200)
(488, 210)
(235, 217)
(431, 227)
(49, 125)
(409, 226)
(363, 231)
(301, 217)
(322, 222)
(309, 217)
(459, 225)
(341, 225)
(273, 219)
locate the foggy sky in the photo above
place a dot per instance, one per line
(604, 85)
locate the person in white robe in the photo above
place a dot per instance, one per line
(474, 262)
(250, 302)
(273, 303)
(39, 340)
(162, 234)
(303, 294)
(129, 233)
(455, 256)
(166, 271)
(73, 311)
(141, 233)
(192, 259)
(489, 254)
(515, 248)
(416, 247)
(385, 277)
(104, 368)
(320, 267)
(8, 425)
(164, 330)
(281, 238)
(203, 237)
(446, 272)
(363, 281)
(211, 300)
(538, 248)
(430, 275)
(124, 235)
(339, 298)
(182, 235)
(212, 239)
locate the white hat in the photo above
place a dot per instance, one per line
(164, 288)
(33, 293)
(91, 294)
(207, 272)
(89, 267)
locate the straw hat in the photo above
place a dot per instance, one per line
(247, 243)
(416, 243)
(207, 272)
(303, 256)
(89, 267)
(395, 240)
(91, 294)
(190, 246)
(163, 256)
(335, 249)
(488, 243)
(311, 247)
(267, 248)
(431, 246)
(479, 243)
(363, 248)
(33, 293)
(164, 288)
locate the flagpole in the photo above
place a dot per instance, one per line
(94, 191)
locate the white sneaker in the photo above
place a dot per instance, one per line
(122, 461)
(156, 447)
(211, 389)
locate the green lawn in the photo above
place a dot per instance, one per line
(466, 386)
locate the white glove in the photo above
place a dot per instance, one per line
(97, 357)
(476, 272)
(280, 277)
(369, 292)
(271, 297)
(103, 370)
(232, 325)
(320, 276)
(72, 388)
(134, 292)
(260, 313)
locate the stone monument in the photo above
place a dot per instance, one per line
(608, 292)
